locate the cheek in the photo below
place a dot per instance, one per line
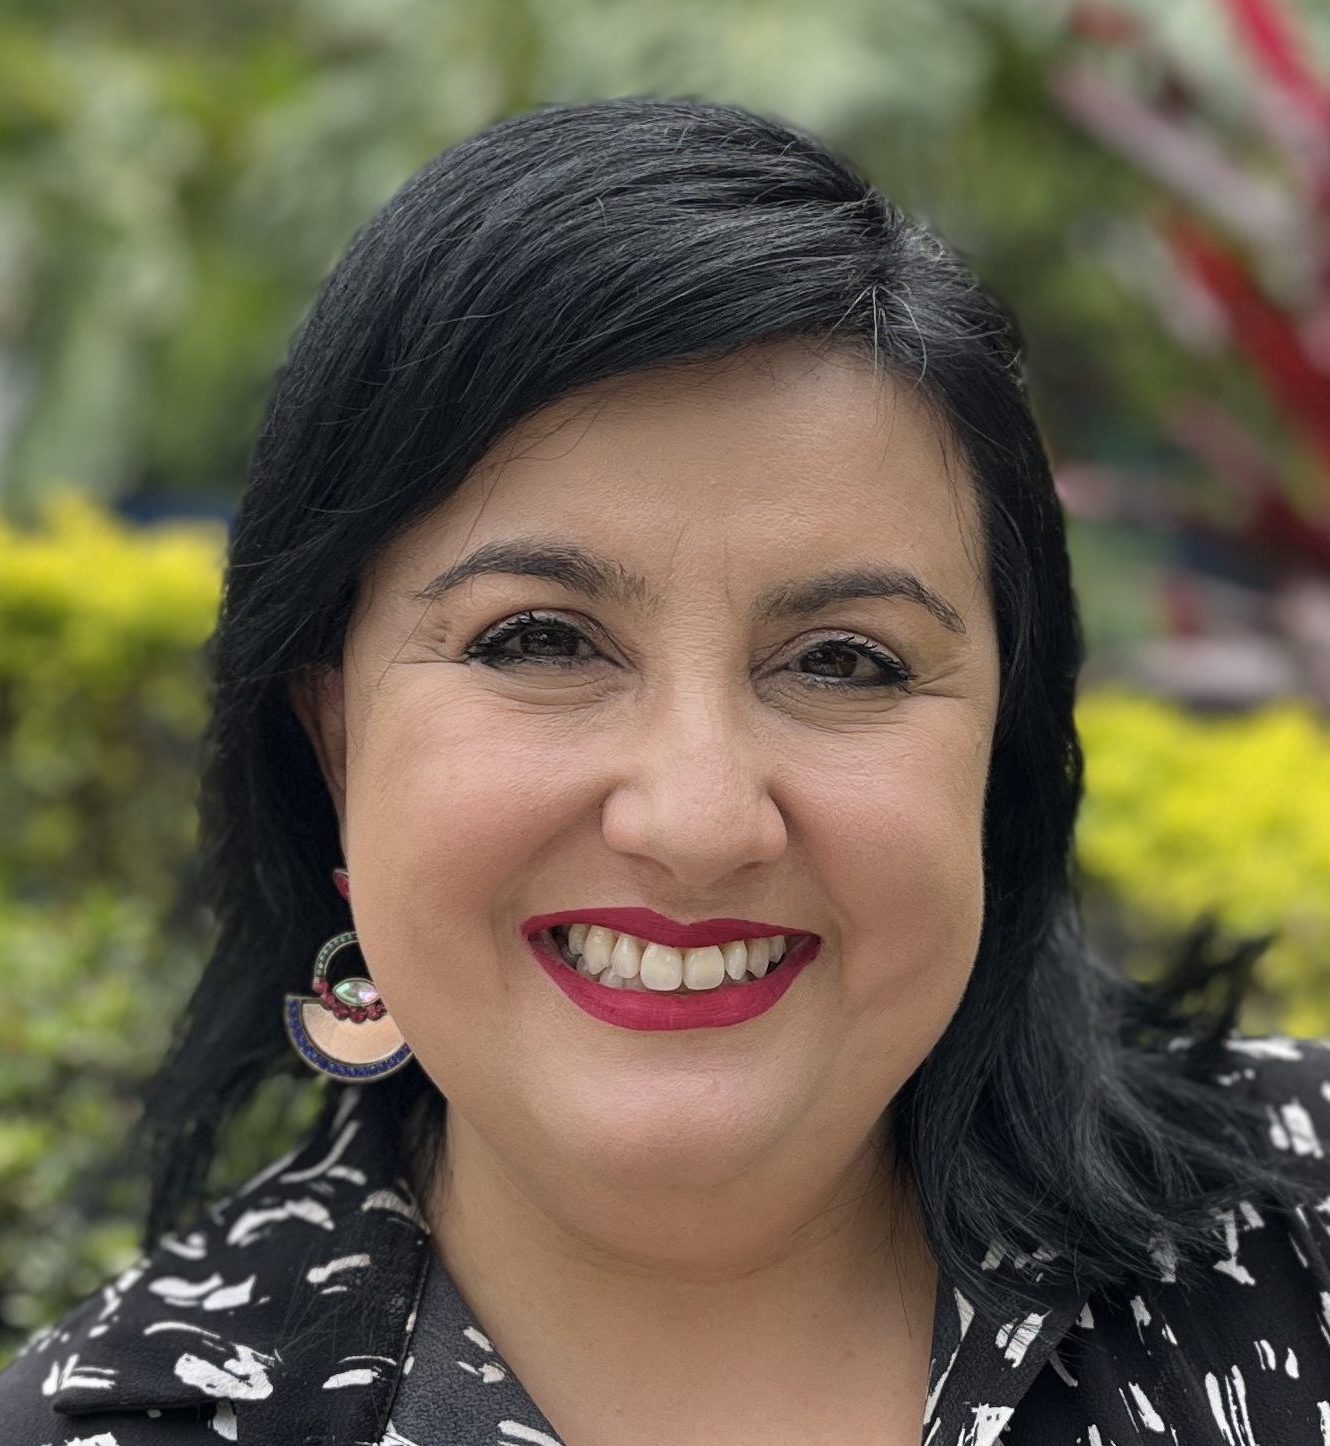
(441, 807)
(908, 870)
(436, 776)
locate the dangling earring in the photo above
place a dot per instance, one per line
(344, 1030)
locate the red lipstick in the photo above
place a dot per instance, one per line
(729, 1003)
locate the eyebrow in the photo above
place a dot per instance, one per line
(582, 571)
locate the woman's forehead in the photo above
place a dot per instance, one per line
(781, 453)
(754, 419)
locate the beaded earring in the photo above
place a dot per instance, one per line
(344, 1029)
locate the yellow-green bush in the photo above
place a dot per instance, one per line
(1230, 815)
(101, 699)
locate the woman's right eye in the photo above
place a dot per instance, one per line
(550, 633)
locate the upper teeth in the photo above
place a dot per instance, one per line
(622, 958)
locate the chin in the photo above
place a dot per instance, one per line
(655, 1144)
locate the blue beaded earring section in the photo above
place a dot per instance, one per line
(325, 1063)
(343, 1030)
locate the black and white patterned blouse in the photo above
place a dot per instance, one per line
(289, 1318)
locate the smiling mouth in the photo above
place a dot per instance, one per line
(607, 977)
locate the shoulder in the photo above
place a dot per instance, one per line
(288, 1301)
(1283, 1083)
(47, 1363)
(1230, 1335)
(1290, 1079)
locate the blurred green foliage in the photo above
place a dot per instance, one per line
(101, 707)
(102, 703)
(175, 181)
(95, 982)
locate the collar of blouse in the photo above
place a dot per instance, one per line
(294, 1300)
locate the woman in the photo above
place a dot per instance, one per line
(650, 606)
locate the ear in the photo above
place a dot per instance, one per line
(318, 699)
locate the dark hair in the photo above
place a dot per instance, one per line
(581, 242)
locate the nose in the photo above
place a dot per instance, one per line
(693, 791)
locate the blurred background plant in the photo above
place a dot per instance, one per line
(1148, 186)
(1234, 258)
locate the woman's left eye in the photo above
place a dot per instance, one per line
(552, 633)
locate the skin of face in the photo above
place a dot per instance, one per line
(691, 761)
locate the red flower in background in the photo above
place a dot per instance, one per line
(1228, 230)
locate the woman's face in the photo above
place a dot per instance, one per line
(667, 741)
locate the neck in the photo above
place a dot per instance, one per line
(753, 1260)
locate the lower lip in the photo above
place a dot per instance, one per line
(712, 1009)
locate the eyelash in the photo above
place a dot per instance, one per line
(486, 649)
